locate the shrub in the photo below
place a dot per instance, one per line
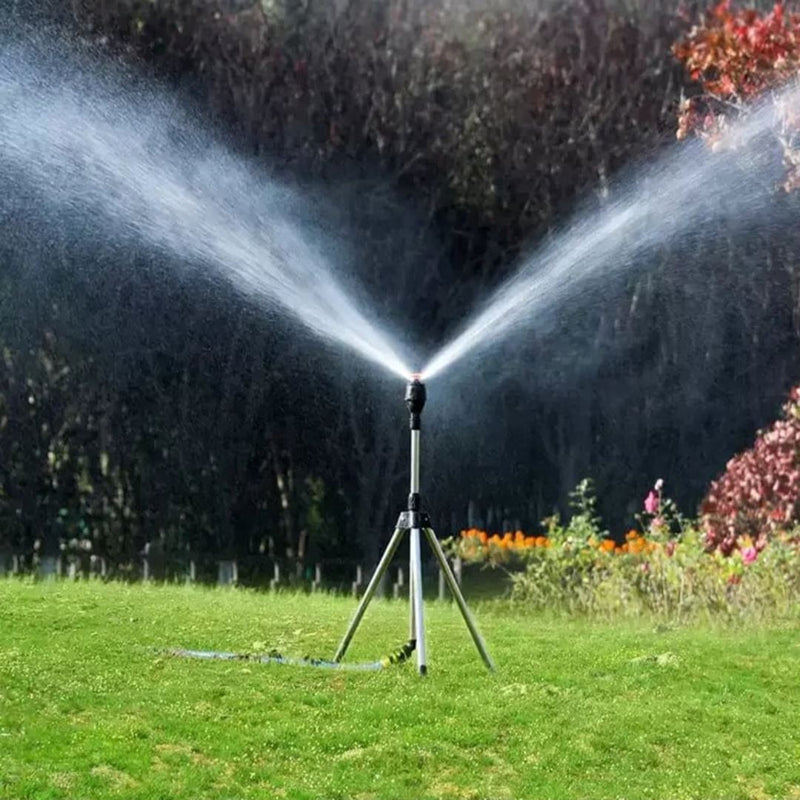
(736, 57)
(758, 494)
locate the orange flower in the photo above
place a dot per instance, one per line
(608, 546)
(541, 541)
(631, 535)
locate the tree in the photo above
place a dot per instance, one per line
(739, 57)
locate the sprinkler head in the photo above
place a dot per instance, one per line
(415, 399)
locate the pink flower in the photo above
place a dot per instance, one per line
(749, 555)
(651, 503)
(669, 547)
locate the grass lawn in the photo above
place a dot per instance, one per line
(577, 709)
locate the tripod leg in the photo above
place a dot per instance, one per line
(419, 620)
(459, 598)
(412, 625)
(371, 587)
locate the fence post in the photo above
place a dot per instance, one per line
(50, 567)
(276, 576)
(317, 583)
(358, 581)
(399, 584)
(227, 573)
(472, 515)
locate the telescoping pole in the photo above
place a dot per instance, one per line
(415, 401)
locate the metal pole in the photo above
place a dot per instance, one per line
(459, 598)
(414, 462)
(412, 630)
(373, 585)
(419, 619)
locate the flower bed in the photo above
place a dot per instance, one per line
(666, 568)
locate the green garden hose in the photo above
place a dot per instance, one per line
(397, 656)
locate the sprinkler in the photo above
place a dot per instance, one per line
(415, 522)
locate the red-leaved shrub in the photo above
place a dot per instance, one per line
(759, 493)
(738, 56)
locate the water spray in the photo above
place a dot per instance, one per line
(81, 141)
(415, 522)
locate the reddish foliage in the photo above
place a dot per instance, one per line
(737, 57)
(759, 493)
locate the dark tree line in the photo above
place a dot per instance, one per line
(441, 140)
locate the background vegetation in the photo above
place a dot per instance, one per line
(447, 138)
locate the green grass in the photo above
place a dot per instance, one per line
(577, 709)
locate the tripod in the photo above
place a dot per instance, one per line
(415, 522)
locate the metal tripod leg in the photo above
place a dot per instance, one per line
(416, 602)
(371, 587)
(459, 598)
(412, 625)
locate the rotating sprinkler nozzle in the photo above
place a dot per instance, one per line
(415, 400)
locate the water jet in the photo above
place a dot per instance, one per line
(134, 161)
(678, 193)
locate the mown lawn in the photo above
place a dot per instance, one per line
(576, 709)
